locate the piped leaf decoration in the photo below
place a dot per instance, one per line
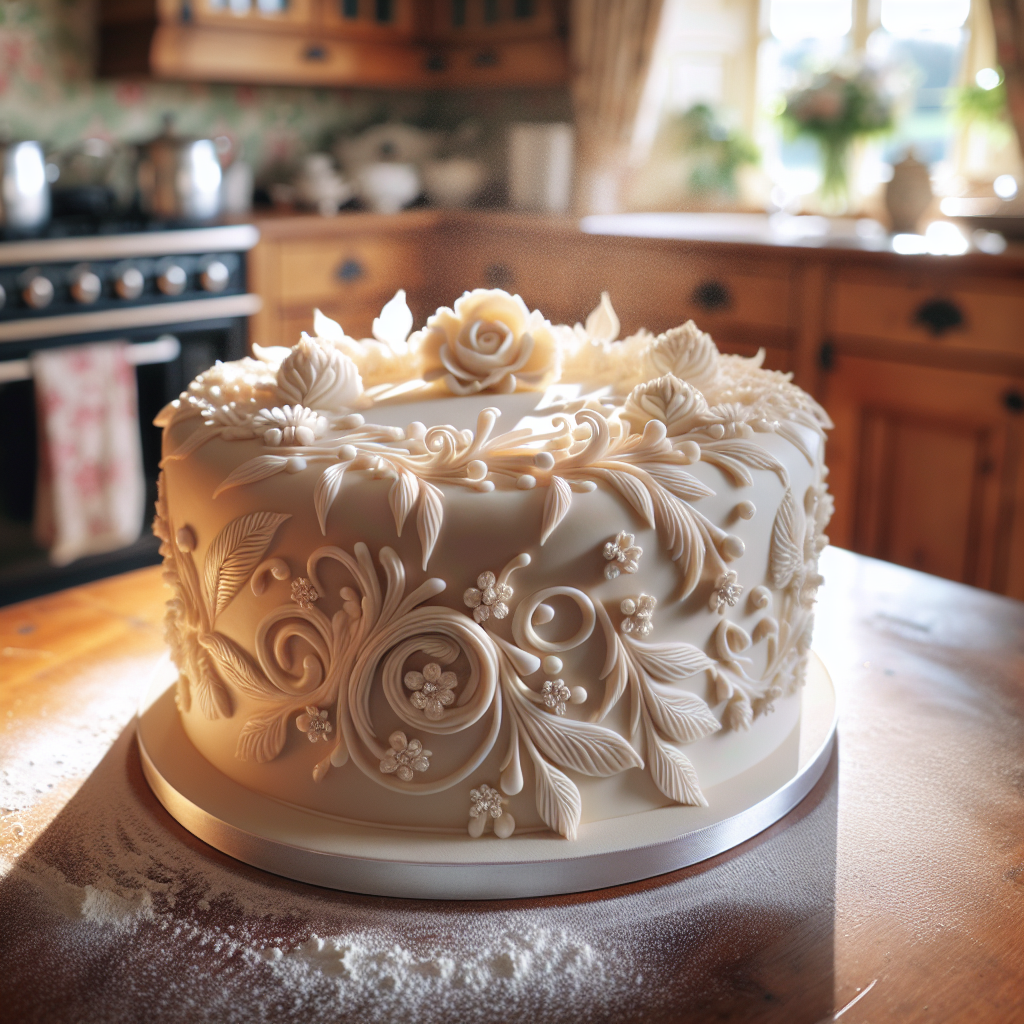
(262, 737)
(796, 437)
(616, 669)
(556, 505)
(681, 536)
(668, 663)
(327, 490)
(235, 666)
(673, 772)
(211, 694)
(402, 496)
(738, 714)
(602, 322)
(785, 559)
(736, 458)
(633, 490)
(558, 800)
(683, 485)
(195, 441)
(250, 472)
(583, 747)
(233, 555)
(679, 714)
(429, 517)
(395, 321)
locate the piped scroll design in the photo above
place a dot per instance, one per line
(797, 541)
(309, 659)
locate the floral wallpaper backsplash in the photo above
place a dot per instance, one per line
(49, 92)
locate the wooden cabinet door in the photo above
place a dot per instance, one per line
(924, 466)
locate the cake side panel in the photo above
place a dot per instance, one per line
(480, 533)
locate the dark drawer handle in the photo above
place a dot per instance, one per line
(499, 275)
(711, 295)
(315, 53)
(939, 316)
(349, 270)
(1014, 402)
(485, 59)
(827, 355)
(435, 62)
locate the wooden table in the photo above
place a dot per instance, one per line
(895, 892)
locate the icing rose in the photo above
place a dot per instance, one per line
(685, 352)
(680, 406)
(289, 425)
(489, 341)
(316, 375)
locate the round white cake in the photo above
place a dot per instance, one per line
(500, 574)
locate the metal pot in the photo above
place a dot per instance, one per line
(24, 190)
(179, 178)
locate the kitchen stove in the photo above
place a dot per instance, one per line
(56, 288)
(176, 293)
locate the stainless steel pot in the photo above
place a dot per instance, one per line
(179, 178)
(24, 190)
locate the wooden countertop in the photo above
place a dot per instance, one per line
(894, 892)
(815, 239)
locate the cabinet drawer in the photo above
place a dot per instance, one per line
(360, 271)
(973, 315)
(648, 287)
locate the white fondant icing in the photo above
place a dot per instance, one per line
(650, 447)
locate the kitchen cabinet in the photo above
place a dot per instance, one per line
(370, 43)
(925, 466)
(919, 360)
(346, 266)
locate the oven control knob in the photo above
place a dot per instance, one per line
(129, 283)
(86, 287)
(215, 277)
(172, 280)
(38, 292)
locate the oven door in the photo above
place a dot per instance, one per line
(165, 361)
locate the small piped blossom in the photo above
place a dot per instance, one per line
(405, 757)
(639, 614)
(313, 722)
(486, 800)
(289, 425)
(488, 597)
(304, 594)
(433, 690)
(623, 555)
(555, 694)
(727, 592)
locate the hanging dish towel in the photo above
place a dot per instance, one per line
(91, 491)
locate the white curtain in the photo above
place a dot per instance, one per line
(1008, 20)
(611, 46)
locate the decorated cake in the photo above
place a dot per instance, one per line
(495, 575)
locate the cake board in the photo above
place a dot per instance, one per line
(314, 848)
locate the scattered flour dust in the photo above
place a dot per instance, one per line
(114, 903)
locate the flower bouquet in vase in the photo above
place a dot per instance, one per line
(834, 109)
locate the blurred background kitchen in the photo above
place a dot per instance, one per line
(837, 182)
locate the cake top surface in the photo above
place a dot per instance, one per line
(491, 352)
